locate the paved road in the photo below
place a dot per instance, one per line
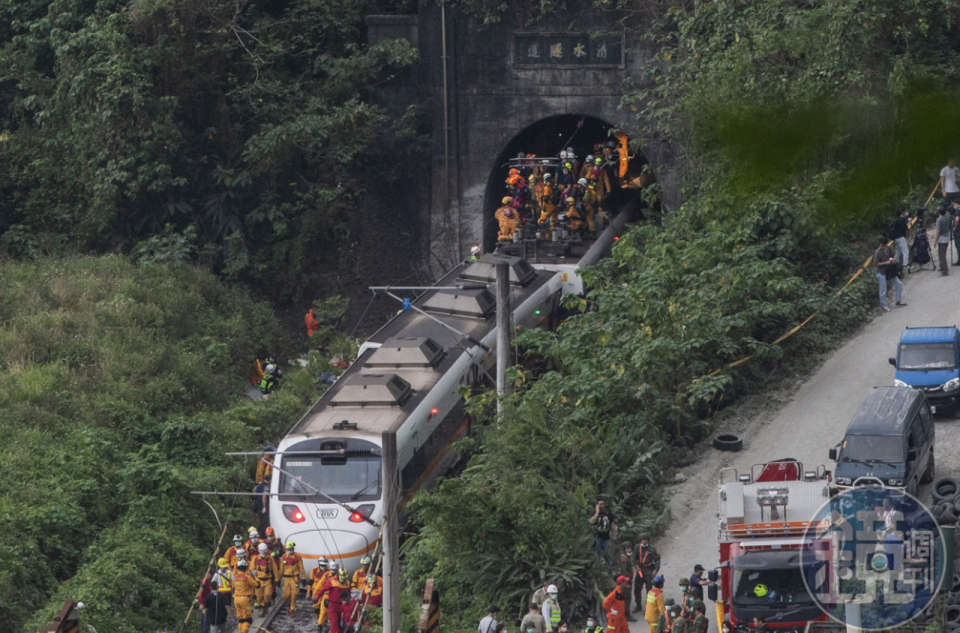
(810, 423)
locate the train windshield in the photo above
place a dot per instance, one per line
(356, 478)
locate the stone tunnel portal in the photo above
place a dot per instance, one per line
(546, 138)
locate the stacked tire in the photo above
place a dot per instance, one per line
(946, 510)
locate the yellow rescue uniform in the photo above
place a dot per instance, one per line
(267, 575)
(291, 569)
(244, 587)
(318, 606)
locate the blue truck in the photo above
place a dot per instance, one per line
(928, 359)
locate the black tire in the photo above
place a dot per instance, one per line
(953, 613)
(937, 511)
(944, 488)
(954, 598)
(949, 514)
(733, 444)
(929, 473)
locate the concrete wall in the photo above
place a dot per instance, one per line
(491, 99)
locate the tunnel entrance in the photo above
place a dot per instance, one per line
(546, 138)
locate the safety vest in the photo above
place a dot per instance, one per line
(267, 383)
(554, 612)
(225, 584)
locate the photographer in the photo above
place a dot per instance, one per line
(887, 270)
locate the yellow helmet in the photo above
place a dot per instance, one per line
(342, 574)
(506, 199)
(223, 563)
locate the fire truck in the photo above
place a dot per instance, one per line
(766, 522)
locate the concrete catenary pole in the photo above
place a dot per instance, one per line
(503, 330)
(391, 535)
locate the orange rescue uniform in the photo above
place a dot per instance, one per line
(244, 588)
(267, 574)
(654, 608)
(613, 604)
(291, 569)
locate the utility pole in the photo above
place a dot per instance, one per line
(503, 330)
(391, 535)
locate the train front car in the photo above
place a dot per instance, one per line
(346, 470)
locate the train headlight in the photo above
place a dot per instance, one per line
(293, 514)
(361, 513)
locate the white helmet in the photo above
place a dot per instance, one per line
(552, 589)
(241, 553)
(271, 369)
(474, 250)
(263, 549)
(582, 182)
(322, 563)
(589, 158)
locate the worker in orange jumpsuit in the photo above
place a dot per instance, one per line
(508, 218)
(273, 543)
(337, 594)
(321, 604)
(231, 554)
(244, 587)
(312, 324)
(256, 372)
(614, 605)
(291, 569)
(265, 463)
(361, 574)
(267, 573)
(655, 605)
(317, 576)
(371, 596)
(591, 205)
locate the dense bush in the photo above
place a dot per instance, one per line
(122, 390)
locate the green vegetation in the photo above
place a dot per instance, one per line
(243, 128)
(122, 391)
(796, 126)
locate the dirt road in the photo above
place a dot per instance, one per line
(809, 423)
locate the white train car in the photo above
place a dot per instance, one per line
(405, 380)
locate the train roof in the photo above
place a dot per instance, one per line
(384, 386)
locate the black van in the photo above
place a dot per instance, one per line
(889, 441)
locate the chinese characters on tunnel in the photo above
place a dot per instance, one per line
(568, 50)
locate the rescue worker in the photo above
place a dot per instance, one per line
(566, 176)
(614, 606)
(269, 381)
(655, 604)
(224, 580)
(241, 557)
(272, 541)
(540, 595)
(534, 617)
(625, 568)
(320, 605)
(373, 591)
(474, 253)
(662, 620)
(361, 574)
(266, 572)
(700, 623)
(551, 609)
(316, 574)
(647, 561)
(587, 166)
(336, 595)
(676, 623)
(253, 543)
(591, 205)
(231, 553)
(291, 569)
(509, 220)
(548, 209)
(592, 626)
(244, 587)
(256, 372)
(602, 179)
(572, 215)
(261, 503)
(312, 324)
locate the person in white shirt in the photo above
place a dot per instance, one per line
(489, 623)
(948, 182)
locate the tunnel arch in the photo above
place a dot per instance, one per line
(546, 137)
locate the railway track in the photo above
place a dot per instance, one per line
(279, 620)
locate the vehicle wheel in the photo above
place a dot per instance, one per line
(949, 514)
(928, 475)
(954, 598)
(944, 488)
(733, 444)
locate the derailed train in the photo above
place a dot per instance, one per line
(405, 380)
